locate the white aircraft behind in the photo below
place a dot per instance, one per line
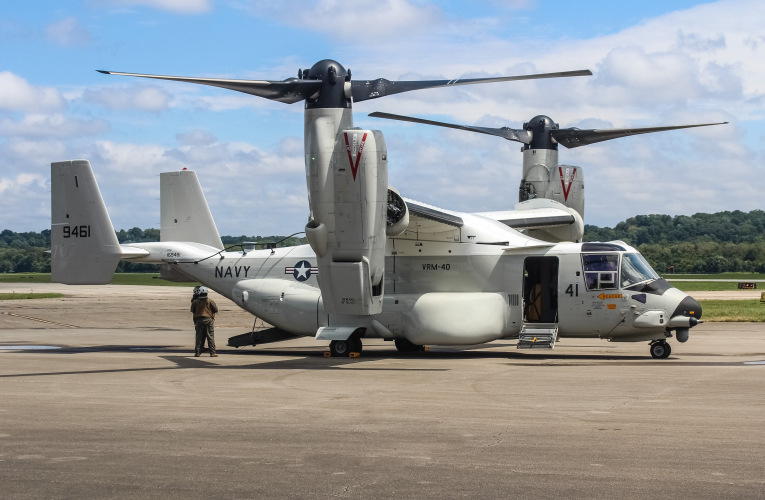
(448, 278)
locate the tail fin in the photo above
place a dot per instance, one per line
(185, 215)
(84, 247)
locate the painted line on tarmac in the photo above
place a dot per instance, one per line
(38, 319)
(28, 347)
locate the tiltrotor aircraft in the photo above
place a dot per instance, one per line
(379, 265)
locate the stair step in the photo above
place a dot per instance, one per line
(537, 337)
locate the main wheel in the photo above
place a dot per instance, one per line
(340, 348)
(404, 345)
(667, 350)
(660, 350)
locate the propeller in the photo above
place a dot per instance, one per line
(574, 137)
(287, 91)
(510, 134)
(536, 133)
(329, 84)
(373, 89)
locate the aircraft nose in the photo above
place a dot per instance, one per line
(688, 307)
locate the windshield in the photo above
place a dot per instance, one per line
(635, 269)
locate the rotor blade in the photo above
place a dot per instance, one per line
(372, 89)
(506, 133)
(574, 137)
(287, 91)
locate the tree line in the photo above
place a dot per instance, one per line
(701, 243)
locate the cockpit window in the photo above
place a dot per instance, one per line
(600, 270)
(635, 270)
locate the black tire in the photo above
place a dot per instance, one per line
(404, 345)
(668, 350)
(660, 350)
(340, 348)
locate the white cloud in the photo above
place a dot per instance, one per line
(27, 190)
(249, 190)
(54, 125)
(21, 183)
(341, 19)
(196, 138)
(17, 94)
(68, 31)
(141, 97)
(178, 6)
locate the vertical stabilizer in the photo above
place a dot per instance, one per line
(84, 247)
(185, 215)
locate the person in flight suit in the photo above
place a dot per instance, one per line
(204, 310)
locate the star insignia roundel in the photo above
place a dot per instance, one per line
(301, 271)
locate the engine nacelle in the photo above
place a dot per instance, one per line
(347, 229)
(398, 213)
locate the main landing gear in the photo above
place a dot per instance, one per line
(660, 349)
(343, 348)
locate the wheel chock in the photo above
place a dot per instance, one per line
(354, 354)
(327, 354)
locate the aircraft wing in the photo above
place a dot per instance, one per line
(433, 214)
(542, 218)
(431, 223)
(532, 219)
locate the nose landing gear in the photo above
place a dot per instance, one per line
(660, 349)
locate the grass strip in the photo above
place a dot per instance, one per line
(732, 310)
(22, 296)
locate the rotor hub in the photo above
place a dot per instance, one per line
(540, 127)
(332, 94)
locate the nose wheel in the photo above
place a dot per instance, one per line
(660, 349)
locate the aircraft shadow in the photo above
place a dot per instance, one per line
(302, 358)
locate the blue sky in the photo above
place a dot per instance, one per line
(654, 63)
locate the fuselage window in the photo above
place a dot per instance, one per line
(600, 271)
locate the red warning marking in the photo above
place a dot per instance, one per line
(359, 147)
(566, 190)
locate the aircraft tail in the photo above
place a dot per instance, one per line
(185, 215)
(84, 247)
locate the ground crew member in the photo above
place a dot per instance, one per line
(204, 310)
(194, 297)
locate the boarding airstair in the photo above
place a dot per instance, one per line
(538, 336)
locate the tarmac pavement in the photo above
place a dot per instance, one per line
(101, 397)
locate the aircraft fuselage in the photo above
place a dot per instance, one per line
(454, 293)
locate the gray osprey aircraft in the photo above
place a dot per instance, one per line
(379, 265)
